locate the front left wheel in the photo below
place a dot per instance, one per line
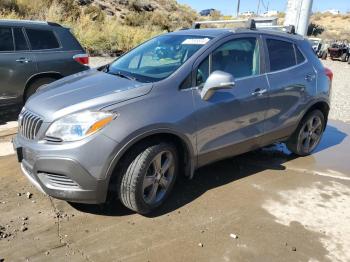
(148, 176)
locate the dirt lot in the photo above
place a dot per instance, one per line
(340, 108)
(262, 206)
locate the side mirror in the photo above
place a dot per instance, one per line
(216, 81)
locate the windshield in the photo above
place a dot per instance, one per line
(158, 58)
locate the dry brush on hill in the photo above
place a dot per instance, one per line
(105, 26)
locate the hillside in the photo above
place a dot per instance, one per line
(114, 26)
(336, 26)
(105, 26)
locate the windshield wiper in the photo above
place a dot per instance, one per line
(106, 68)
(120, 74)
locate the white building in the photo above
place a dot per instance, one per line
(270, 13)
(246, 14)
(332, 11)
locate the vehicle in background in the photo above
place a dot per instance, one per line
(317, 45)
(34, 53)
(168, 107)
(339, 50)
(207, 12)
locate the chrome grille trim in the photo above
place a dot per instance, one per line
(29, 125)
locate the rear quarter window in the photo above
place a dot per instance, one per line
(42, 39)
(281, 54)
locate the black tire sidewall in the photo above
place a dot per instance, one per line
(343, 57)
(139, 173)
(300, 129)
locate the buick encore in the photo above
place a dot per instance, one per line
(171, 105)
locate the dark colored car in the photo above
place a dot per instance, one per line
(33, 54)
(339, 51)
(206, 12)
(173, 104)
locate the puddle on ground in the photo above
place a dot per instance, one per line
(320, 208)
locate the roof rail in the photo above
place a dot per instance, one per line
(250, 23)
(54, 24)
(290, 29)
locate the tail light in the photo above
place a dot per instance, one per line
(82, 59)
(329, 73)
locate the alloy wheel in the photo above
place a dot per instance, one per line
(311, 134)
(158, 178)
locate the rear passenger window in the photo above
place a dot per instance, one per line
(281, 54)
(6, 40)
(299, 55)
(20, 41)
(42, 39)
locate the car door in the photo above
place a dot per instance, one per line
(231, 121)
(17, 65)
(50, 54)
(292, 80)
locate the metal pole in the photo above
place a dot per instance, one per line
(257, 11)
(304, 19)
(238, 6)
(298, 14)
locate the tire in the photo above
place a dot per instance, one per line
(324, 56)
(344, 57)
(309, 132)
(143, 186)
(33, 87)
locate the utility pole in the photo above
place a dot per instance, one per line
(238, 6)
(257, 11)
(298, 14)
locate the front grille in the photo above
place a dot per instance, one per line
(61, 181)
(29, 124)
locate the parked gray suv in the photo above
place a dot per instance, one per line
(33, 54)
(171, 105)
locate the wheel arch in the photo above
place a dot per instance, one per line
(182, 143)
(32, 79)
(323, 106)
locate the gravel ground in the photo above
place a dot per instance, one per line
(340, 109)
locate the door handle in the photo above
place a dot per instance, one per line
(23, 60)
(310, 77)
(259, 92)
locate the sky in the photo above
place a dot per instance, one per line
(228, 7)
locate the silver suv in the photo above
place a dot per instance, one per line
(171, 105)
(34, 53)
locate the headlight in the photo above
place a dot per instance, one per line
(78, 126)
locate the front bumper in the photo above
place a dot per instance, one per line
(72, 173)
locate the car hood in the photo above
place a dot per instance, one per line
(91, 89)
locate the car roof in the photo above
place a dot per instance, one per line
(219, 32)
(17, 22)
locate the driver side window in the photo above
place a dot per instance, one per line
(239, 57)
